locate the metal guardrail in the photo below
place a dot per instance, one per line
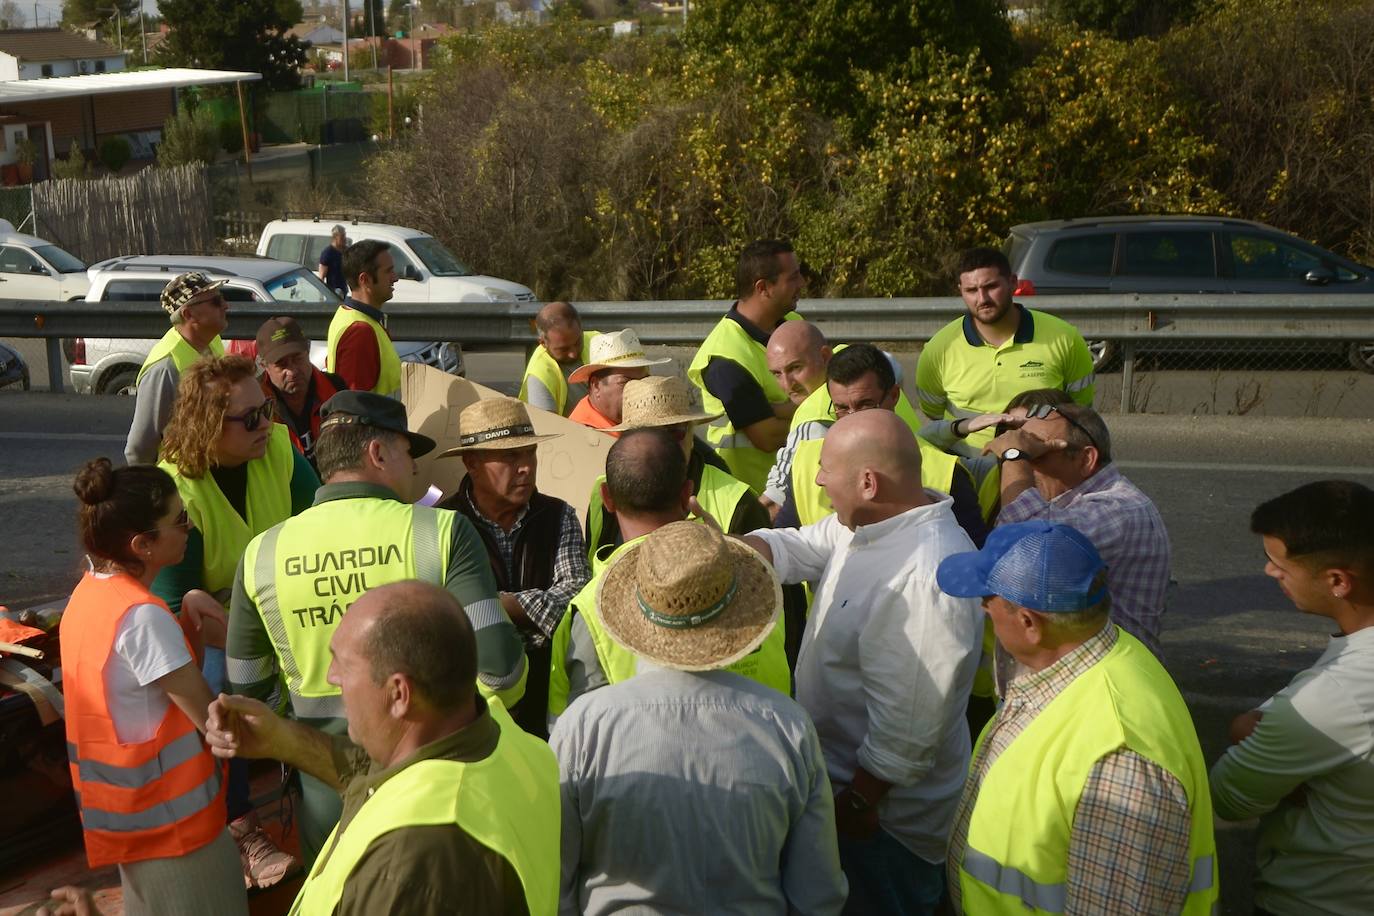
(1162, 320)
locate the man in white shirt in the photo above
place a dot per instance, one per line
(1303, 763)
(887, 659)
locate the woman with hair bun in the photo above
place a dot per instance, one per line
(151, 794)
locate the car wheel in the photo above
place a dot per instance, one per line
(1104, 354)
(1362, 355)
(122, 381)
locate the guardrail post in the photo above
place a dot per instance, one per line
(54, 365)
(1127, 373)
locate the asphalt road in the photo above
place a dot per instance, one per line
(1231, 637)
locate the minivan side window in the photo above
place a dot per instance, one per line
(286, 246)
(1085, 254)
(1167, 254)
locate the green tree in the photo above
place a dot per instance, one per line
(243, 35)
(188, 136)
(1123, 18)
(397, 17)
(81, 13)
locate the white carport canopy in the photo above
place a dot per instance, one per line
(65, 87)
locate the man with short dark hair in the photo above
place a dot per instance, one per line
(199, 313)
(360, 348)
(331, 260)
(731, 366)
(1303, 762)
(447, 805)
(646, 486)
(1088, 792)
(299, 389)
(563, 347)
(975, 364)
(297, 581)
(1057, 467)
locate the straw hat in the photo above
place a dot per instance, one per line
(659, 400)
(494, 423)
(616, 350)
(687, 597)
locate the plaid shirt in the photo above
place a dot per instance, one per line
(1129, 843)
(545, 607)
(1126, 529)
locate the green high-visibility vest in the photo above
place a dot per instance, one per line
(389, 375)
(767, 664)
(730, 341)
(182, 353)
(1017, 854)
(720, 494)
(225, 532)
(545, 368)
(507, 801)
(304, 574)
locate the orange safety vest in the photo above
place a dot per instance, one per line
(157, 799)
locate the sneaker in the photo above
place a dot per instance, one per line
(263, 863)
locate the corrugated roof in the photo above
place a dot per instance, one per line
(52, 44)
(63, 87)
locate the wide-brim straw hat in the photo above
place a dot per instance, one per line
(494, 423)
(659, 400)
(689, 598)
(616, 350)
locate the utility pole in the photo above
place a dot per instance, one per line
(345, 41)
(143, 32)
(372, 30)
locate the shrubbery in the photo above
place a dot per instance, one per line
(592, 167)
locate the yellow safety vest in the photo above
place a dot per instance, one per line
(730, 341)
(767, 664)
(720, 495)
(304, 574)
(507, 801)
(937, 468)
(1016, 859)
(389, 376)
(182, 353)
(223, 530)
(545, 368)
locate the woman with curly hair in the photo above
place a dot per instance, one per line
(238, 475)
(152, 797)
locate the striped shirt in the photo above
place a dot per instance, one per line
(1125, 527)
(1129, 843)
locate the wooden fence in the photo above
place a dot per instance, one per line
(154, 211)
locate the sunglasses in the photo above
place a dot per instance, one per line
(1042, 411)
(254, 418)
(182, 521)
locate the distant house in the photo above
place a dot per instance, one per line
(316, 33)
(30, 54)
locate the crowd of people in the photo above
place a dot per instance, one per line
(808, 646)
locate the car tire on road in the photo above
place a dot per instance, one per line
(123, 381)
(1104, 353)
(1361, 355)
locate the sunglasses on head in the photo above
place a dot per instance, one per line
(1042, 411)
(254, 418)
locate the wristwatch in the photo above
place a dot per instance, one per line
(1013, 454)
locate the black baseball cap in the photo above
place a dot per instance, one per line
(367, 408)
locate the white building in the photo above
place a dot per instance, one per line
(30, 54)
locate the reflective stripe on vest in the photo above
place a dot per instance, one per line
(389, 364)
(157, 798)
(1018, 836)
(224, 531)
(182, 353)
(545, 368)
(508, 802)
(729, 340)
(287, 566)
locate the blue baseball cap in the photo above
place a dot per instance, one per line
(1044, 567)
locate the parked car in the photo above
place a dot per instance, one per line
(13, 368)
(103, 365)
(31, 268)
(426, 270)
(1180, 254)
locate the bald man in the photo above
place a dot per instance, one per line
(887, 659)
(563, 347)
(797, 356)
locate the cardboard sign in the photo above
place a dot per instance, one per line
(568, 465)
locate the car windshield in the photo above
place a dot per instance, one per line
(299, 286)
(64, 262)
(437, 258)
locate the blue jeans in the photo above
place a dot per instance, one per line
(888, 879)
